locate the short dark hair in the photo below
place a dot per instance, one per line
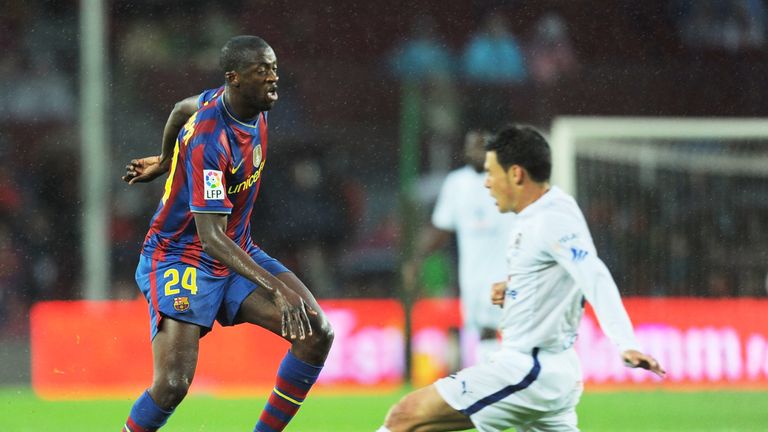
(524, 146)
(236, 53)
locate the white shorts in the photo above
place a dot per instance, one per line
(531, 392)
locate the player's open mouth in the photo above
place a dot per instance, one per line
(272, 94)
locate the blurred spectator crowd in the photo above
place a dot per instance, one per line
(329, 207)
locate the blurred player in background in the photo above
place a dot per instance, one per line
(534, 381)
(199, 262)
(465, 209)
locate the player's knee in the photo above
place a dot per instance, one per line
(327, 333)
(404, 416)
(170, 390)
(323, 336)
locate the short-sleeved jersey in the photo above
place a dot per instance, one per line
(216, 168)
(553, 266)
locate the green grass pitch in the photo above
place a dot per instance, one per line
(21, 411)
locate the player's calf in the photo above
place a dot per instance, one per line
(294, 380)
(153, 408)
(297, 373)
(146, 415)
(174, 351)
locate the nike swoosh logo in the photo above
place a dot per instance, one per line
(234, 170)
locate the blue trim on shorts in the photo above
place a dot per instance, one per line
(508, 390)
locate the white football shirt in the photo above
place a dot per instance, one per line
(552, 267)
(465, 207)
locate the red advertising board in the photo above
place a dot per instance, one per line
(85, 349)
(701, 343)
(94, 349)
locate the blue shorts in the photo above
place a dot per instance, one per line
(185, 293)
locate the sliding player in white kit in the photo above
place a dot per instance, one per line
(534, 382)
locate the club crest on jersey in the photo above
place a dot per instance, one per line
(181, 304)
(213, 187)
(257, 156)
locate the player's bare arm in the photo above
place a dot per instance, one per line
(498, 291)
(636, 359)
(211, 228)
(146, 169)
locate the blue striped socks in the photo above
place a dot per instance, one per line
(294, 379)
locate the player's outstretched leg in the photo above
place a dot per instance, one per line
(424, 410)
(302, 363)
(174, 352)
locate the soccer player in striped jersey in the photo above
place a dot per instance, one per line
(199, 263)
(533, 382)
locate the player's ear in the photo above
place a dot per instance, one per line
(517, 173)
(232, 78)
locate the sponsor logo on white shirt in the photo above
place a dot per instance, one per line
(578, 255)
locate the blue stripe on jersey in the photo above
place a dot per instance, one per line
(508, 390)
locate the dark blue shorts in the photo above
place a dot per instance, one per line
(186, 293)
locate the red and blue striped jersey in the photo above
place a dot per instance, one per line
(216, 168)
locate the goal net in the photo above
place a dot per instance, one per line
(677, 206)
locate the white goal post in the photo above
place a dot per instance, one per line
(588, 131)
(686, 197)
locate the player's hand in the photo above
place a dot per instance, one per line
(145, 169)
(295, 314)
(636, 359)
(498, 291)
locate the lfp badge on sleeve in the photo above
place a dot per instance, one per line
(214, 187)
